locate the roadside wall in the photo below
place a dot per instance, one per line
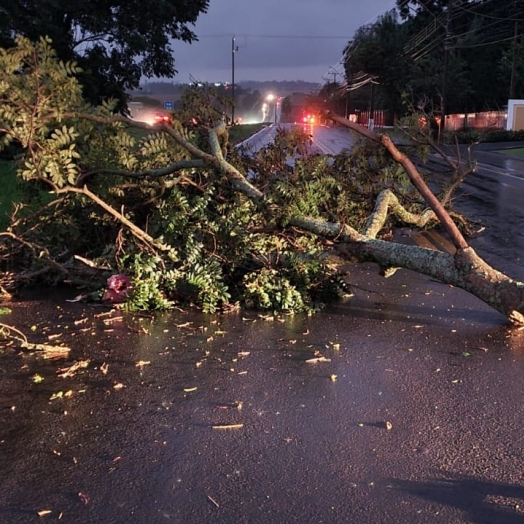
(515, 120)
(484, 120)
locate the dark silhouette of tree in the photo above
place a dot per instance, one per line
(115, 42)
(464, 55)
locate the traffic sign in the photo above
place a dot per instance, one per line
(169, 105)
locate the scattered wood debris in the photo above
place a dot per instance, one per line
(70, 371)
(228, 426)
(211, 499)
(49, 351)
(317, 359)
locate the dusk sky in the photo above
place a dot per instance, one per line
(276, 39)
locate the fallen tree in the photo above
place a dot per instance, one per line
(175, 209)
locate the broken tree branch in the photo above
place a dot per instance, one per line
(135, 230)
(147, 173)
(447, 223)
(387, 202)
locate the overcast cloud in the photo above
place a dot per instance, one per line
(276, 39)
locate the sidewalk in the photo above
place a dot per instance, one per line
(497, 146)
(487, 154)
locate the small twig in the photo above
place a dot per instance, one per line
(11, 328)
(139, 233)
(211, 499)
(229, 426)
(90, 263)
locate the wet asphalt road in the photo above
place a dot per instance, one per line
(412, 415)
(493, 197)
(324, 139)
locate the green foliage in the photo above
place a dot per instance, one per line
(501, 135)
(36, 91)
(270, 289)
(473, 136)
(376, 54)
(340, 188)
(202, 105)
(183, 235)
(11, 192)
(148, 282)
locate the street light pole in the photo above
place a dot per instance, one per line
(270, 99)
(234, 49)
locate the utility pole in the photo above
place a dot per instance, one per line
(234, 49)
(347, 68)
(447, 49)
(514, 62)
(335, 73)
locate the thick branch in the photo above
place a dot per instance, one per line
(454, 233)
(139, 233)
(333, 230)
(464, 269)
(151, 173)
(387, 201)
(216, 159)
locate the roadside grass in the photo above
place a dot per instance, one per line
(243, 131)
(517, 151)
(237, 133)
(10, 192)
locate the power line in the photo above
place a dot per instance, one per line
(484, 15)
(498, 22)
(501, 32)
(483, 44)
(297, 37)
(424, 34)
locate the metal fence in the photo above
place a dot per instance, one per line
(485, 120)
